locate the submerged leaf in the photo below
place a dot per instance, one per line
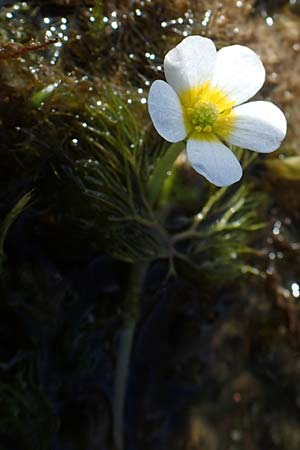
(42, 95)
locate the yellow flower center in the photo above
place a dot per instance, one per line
(203, 116)
(207, 112)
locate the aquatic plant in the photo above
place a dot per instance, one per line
(123, 243)
(201, 110)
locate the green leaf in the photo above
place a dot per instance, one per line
(41, 96)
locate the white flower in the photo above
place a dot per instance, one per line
(202, 102)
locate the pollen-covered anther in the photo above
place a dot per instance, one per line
(203, 116)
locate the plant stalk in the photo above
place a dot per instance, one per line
(132, 308)
(160, 172)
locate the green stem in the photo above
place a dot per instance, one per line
(160, 172)
(208, 206)
(192, 232)
(132, 303)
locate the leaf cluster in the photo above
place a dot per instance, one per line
(114, 178)
(219, 243)
(215, 241)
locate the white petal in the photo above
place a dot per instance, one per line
(166, 112)
(191, 63)
(214, 161)
(259, 126)
(239, 72)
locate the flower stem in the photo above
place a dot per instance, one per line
(159, 174)
(208, 206)
(132, 300)
(192, 232)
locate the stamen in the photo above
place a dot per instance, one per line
(207, 111)
(203, 116)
